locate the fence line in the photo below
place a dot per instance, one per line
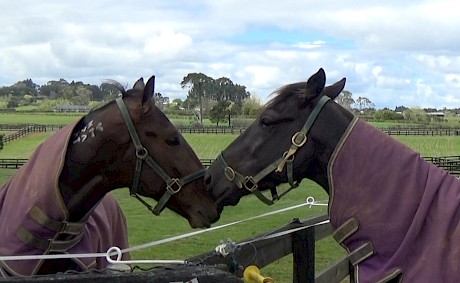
(22, 132)
(394, 131)
(448, 163)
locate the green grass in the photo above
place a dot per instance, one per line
(23, 148)
(432, 145)
(208, 145)
(144, 227)
(38, 118)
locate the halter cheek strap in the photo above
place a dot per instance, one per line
(250, 183)
(173, 185)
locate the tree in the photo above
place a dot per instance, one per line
(364, 103)
(204, 89)
(20, 89)
(177, 101)
(386, 114)
(251, 105)
(200, 86)
(220, 111)
(416, 115)
(345, 99)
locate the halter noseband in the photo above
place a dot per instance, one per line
(250, 183)
(173, 185)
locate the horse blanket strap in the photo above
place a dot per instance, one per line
(406, 207)
(63, 227)
(173, 185)
(361, 253)
(49, 245)
(32, 211)
(345, 230)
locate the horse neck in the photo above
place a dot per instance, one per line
(86, 176)
(334, 121)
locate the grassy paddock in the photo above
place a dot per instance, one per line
(39, 118)
(145, 227)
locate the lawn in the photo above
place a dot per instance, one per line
(144, 227)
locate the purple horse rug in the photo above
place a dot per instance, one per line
(396, 214)
(33, 217)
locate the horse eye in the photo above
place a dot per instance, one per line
(269, 122)
(150, 134)
(172, 141)
(266, 122)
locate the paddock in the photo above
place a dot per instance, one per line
(210, 267)
(297, 239)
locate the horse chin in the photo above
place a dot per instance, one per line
(198, 220)
(228, 199)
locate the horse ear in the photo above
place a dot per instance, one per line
(139, 85)
(334, 90)
(316, 82)
(149, 90)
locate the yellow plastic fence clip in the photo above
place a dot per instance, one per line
(251, 274)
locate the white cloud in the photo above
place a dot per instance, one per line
(167, 44)
(392, 52)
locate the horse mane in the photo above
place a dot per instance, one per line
(285, 92)
(118, 86)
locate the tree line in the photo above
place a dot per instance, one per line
(217, 99)
(27, 92)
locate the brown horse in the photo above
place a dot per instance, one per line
(396, 214)
(59, 202)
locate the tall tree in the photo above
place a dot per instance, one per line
(364, 103)
(345, 99)
(200, 88)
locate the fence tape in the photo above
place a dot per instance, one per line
(115, 251)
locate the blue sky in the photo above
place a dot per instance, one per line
(391, 52)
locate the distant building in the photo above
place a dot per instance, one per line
(436, 114)
(72, 108)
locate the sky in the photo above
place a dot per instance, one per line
(393, 52)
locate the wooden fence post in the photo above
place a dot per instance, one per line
(303, 252)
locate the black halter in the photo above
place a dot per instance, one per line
(250, 183)
(173, 185)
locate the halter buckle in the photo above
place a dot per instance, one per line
(250, 184)
(289, 158)
(299, 139)
(173, 186)
(229, 173)
(142, 153)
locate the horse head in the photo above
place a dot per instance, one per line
(291, 139)
(131, 143)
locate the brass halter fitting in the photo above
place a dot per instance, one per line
(174, 186)
(229, 173)
(298, 140)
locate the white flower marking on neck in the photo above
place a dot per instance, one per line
(89, 131)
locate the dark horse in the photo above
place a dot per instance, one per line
(59, 202)
(396, 214)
